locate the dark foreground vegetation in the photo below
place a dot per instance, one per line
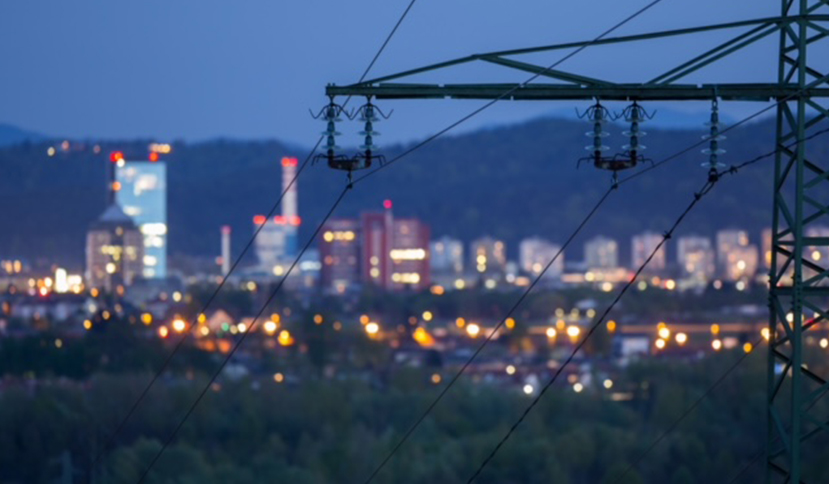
(313, 429)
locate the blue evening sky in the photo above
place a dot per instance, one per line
(197, 69)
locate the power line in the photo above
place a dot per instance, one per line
(281, 282)
(705, 189)
(489, 337)
(544, 71)
(682, 417)
(687, 412)
(707, 139)
(509, 91)
(386, 42)
(534, 283)
(180, 342)
(243, 336)
(245, 250)
(760, 451)
(474, 113)
(746, 467)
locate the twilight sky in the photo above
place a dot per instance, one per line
(197, 69)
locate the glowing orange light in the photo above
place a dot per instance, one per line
(287, 161)
(280, 219)
(153, 156)
(423, 337)
(285, 338)
(295, 220)
(259, 219)
(116, 156)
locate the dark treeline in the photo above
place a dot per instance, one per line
(320, 430)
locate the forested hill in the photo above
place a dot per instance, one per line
(509, 182)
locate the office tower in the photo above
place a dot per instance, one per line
(765, 243)
(643, 246)
(741, 263)
(141, 190)
(446, 256)
(727, 242)
(695, 256)
(488, 255)
(114, 251)
(395, 252)
(271, 243)
(535, 253)
(339, 252)
(601, 253)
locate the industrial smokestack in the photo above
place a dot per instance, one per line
(290, 209)
(225, 250)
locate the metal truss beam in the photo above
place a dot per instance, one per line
(761, 28)
(559, 92)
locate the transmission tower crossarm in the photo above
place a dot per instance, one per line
(759, 26)
(545, 72)
(662, 34)
(619, 92)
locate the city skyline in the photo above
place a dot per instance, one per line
(527, 244)
(736, 259)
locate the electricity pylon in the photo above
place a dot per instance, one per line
(799, 282)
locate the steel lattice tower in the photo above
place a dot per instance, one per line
(799, 284)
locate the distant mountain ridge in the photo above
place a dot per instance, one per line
(509, 182)
(11, 135)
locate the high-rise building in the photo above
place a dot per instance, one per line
(272, 242)
(395, 252)
(765, 244)
(277, 239)
(141, 189)
(488, 255)
(409, 255)
(643, 245)
(375, 238)
(339, 252)
(728, 241)
(446, 256)
(741, 263)
(601, 253)
(114, 250)
(695, 256)
(535, 253)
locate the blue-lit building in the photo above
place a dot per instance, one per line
(142, 193)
